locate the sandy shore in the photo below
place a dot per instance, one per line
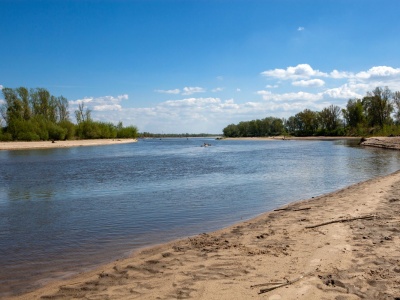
(61, 144)
(354, 255)
(383, 142)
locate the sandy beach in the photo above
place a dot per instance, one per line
(343, 245)
(61, 144)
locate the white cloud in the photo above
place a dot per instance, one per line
(339, 74)
(270, 86)
(380, 71)
(309, 83)
(105, 103)
(345, 91)
(218, 89)
(238, 90)
(1, 87)
(269, 96)
(301, 71)
(300, 28)
(192, 90)
(175, 91)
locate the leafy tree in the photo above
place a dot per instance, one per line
(231, 131)
(329, 119)
(307, 121)
(354, 113)
(396, 104)
(378, 107)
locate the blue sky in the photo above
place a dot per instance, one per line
(182, 66)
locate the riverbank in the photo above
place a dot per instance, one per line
(343, 245)
(287, 138)
(61, 144)
(383, 142)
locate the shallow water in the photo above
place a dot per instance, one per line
(64, 210)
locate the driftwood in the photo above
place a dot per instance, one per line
(278, 285)
(367, 217)
(289, 209)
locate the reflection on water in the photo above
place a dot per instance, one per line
(62, 210)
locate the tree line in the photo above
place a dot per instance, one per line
(377, 113)
(35, 114)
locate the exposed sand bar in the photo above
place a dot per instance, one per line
(61, 144)
(383, 142)
(354, 254)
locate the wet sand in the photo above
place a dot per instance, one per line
(343, 245)
(61, 144)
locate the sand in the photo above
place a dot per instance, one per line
(383, 142)
(61, 144)
(357, 259)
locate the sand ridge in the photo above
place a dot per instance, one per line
(342, 260)
(61, 144)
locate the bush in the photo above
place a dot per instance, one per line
(5, 137)
(69, 128)
(28, 136)
(127, 132)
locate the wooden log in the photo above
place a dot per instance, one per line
(367, 217)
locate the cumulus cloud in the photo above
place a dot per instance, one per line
(301, 71)
(300, 28)
(380, 71)
(218, 89)
(345, 91)
(309, 83)
(105, 103)
(269, 96)
(174, 91)
(192, 90)
(1, 87)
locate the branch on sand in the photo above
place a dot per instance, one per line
(367, 217)
(290, 209)
(278, 285)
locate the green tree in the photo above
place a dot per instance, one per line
(330, 120)
(378, 107)
(354, 113)
(396, 104)
(307, 121)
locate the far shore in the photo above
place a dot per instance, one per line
(342, 245)
(305, 138)
(61, 144)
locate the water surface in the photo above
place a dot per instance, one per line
(64, 210)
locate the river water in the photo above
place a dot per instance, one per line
(66, 210)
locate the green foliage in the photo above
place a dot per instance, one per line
(266, 127)
(38, 115)
(370, 116)
(127, 132)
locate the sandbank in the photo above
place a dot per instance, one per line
(61, 144)
(383, 142)
(343, 245)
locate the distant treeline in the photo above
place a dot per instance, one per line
(378, 113)
(174, 135)
(35, 114)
